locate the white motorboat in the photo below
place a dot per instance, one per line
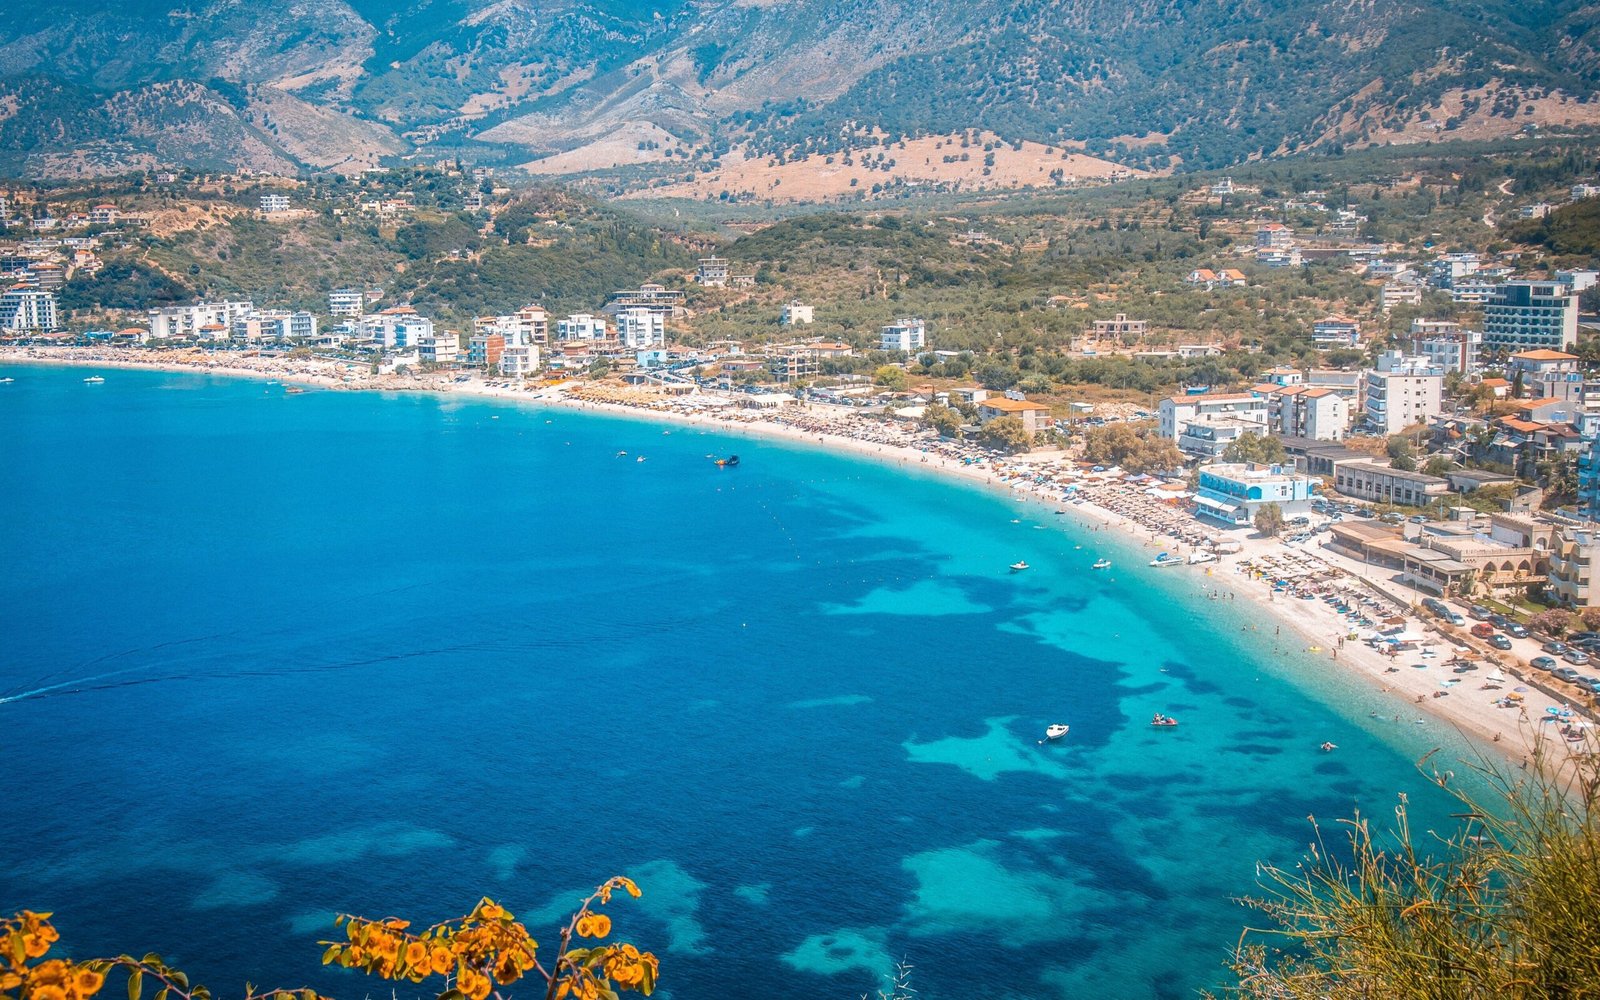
(1166, 559)
(1056, 731)
(1018, 566)
(1102, 564)
(93, 380)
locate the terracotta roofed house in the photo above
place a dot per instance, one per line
(1035, 417)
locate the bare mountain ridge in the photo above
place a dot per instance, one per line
(1151, 83)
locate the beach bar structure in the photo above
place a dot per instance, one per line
(1231, 493)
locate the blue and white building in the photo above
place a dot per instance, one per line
(1232, 493)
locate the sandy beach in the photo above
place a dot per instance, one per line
(1414, 680)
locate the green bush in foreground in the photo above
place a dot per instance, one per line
(1506, 907)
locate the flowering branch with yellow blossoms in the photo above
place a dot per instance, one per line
(476, 954)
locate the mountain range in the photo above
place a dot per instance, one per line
(663, 89)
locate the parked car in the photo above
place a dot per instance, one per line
(1578, 636)
(1564, 673)
(1419, 519)
(1392, 518)
(1499, 641)
(1516, 630)
(1544, 663)
(1483, 630)
(1554, 648)
(1479, 612)
(1498, 620)
(1576, 657)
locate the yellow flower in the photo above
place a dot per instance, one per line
(417, 955)
(88, 982)
(53, 972)
(506, 971)
(47, 991)
(627, 883)
(491, 911)
(593, 925)
(472, 983)
(33, 945)
(442, 960)
(9, 981)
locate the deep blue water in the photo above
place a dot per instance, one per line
(272, 657)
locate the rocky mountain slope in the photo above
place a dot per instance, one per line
(1149, 83)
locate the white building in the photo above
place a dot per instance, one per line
(520, 361)
(1178, 412)
(638, 327)
(904, 335)
(796, 313)
(1582, 191)
(104, 215)
(1529, 315)
(1446, 345)
(398, 327)
(1399, 294)
(581, 326)
(1303, 411)
(712, 272)
(274, 203)
(27, 309)
(1402, 392)
(1234, 493)
(1336, 332)
(274, 324)
(528, 326)
(1279, 257)
(1579, 281)
(440, 349)
(187, 322)
(1275, 235)
(1537, 210)
(347, 302)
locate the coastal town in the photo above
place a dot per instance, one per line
(1422, 493)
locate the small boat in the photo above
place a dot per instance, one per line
(1163, 721)
(1102, 564)
(1166, 559)
(93, 380)
(639, 459)
(622, 454)
(1329, 747)
(1196, 558)
(1018, 566)
(6, 380)
(1056, 731)
(294, 390)
(731, 462)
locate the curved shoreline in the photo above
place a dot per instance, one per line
(1508, 734)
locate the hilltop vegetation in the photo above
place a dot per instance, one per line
(92, 90)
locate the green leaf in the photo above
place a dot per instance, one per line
(135, 984)
(181, 979)
(331, 954)
(164, 992)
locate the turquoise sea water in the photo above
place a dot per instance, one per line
(272, 657)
